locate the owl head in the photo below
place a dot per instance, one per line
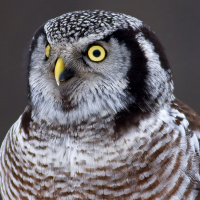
(89, 64)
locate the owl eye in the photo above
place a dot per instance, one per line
(96, 53)
(47, 52)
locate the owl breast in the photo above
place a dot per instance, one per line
(92, 162)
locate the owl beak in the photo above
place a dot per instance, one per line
(59, 68)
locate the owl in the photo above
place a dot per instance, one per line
(102, 121)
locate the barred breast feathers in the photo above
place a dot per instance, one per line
(156, 146)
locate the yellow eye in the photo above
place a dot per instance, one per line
(96, 53)
(48, 48)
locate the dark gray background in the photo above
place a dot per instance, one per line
(177, 24)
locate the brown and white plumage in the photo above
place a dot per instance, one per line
(111, 129)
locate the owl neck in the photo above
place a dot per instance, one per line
(97, 128)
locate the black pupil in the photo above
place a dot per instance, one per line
(96, 53)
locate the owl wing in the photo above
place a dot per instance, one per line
(194, 124)
(192, 117)
(7, 163)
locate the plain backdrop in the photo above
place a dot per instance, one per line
(176, 23)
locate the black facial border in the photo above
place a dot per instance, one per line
(137, 76)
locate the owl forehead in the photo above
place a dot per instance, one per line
(72, 26)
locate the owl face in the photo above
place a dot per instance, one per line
(90, 64)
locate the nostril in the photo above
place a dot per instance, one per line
(66, 74)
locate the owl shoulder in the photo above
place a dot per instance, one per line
(192, 117)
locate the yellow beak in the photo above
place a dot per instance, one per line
(59, 68)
